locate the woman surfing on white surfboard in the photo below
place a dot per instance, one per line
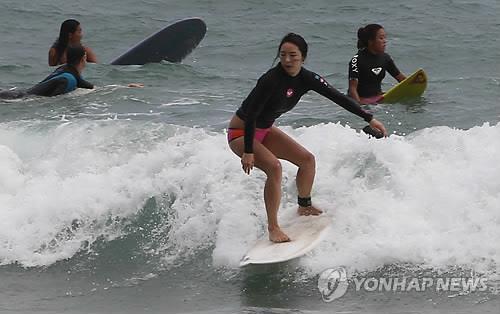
(252, 136)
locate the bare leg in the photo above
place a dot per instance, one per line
(272, 199)
(284, 147)
(268, 163)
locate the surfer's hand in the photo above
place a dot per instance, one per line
(138, 85)
(377, 125)
(247, 162)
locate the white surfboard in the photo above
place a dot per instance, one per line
(305, 233)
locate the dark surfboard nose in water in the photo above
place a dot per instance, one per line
(172, 43)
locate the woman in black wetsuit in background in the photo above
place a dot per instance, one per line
(367, 68)
(253, 137)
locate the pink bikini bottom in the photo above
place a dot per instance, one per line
(260, 134)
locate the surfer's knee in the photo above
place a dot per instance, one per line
(308, 160)
(274, 169)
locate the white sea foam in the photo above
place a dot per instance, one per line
(183, 102)
(429, 198)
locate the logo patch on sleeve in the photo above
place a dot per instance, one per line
(322, 80)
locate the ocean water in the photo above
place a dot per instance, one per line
(122, 200)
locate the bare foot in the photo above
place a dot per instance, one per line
(309, 210)
(277, 236)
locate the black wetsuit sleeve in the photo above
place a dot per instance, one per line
(84, 84)
(353, 68)
(321, 86)
(391, 67)
(80, 82)
(256, 100)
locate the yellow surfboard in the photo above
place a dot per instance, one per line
(411, 87)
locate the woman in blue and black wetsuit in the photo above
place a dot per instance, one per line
(64, 79)
(253, 137)
(367, 68)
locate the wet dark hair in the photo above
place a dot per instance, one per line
(74, 54)
(295, 39)
(61, 43)
(369, 32)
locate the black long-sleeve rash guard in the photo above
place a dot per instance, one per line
(277, 92)
(369, 70)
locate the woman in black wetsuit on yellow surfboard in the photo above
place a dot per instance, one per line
(367, 68)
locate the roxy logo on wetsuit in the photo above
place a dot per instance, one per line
(289, 92)
(354, 64)
(376, 71)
